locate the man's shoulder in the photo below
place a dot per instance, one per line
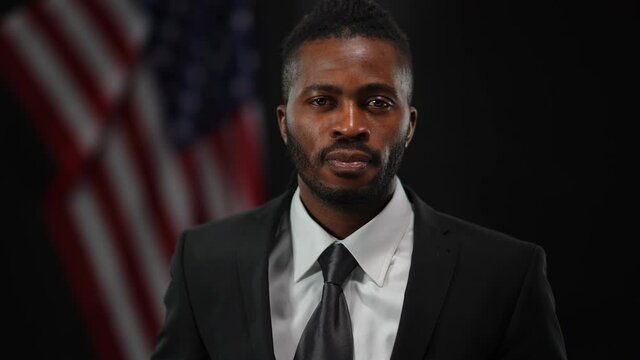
(476, 242)
(226, 224)
(475, 235)
(229, 230)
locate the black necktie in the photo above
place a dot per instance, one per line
(328, 333)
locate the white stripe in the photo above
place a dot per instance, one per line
(88, 44)
(128, 17)
(168, 172)
(213, 185)
(79, 121)
(96, 238)
(134, 206)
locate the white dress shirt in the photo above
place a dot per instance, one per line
(374, 291)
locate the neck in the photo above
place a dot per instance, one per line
(343, 220)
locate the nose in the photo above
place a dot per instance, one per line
(351, 123)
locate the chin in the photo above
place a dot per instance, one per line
(346, 191)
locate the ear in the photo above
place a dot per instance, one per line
(413, 118)
(281, 114)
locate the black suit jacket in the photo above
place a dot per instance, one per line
(472, 293)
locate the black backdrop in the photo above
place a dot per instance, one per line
(525, 117)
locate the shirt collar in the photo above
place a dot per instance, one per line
(372, 245)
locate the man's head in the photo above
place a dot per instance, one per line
(347, 116)
(344, 19)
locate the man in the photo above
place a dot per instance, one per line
(349, 264)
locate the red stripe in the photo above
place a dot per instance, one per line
(194, 185)
(239, 155)
(144, 161)
(227, 177)
(215, 143)
(247, 151)
(124, 245)
(222, 146)
(75, 67)
(46, 118)
(119, 42)
(80, 274)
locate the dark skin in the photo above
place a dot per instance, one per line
(355, 90)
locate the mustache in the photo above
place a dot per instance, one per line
(345, 144)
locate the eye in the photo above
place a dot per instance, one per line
(320, 101)
(379, 103)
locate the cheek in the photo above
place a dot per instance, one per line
(308, 136)
(304, 144)
(390, 135)
(390, 140)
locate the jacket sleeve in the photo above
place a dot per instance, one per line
(179, 337)
(534, 331)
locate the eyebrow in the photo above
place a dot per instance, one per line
(323, 88)
(369, 88)
(379, 87)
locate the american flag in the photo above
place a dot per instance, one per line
(149, 112)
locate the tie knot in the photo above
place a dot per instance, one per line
(336, 263)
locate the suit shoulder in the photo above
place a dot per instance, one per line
(481, 240)
(225, 234)
(468, 235)
(489, 258)
(227, 225)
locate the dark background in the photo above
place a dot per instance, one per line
(526, 111)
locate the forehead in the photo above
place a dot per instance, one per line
(349, 62)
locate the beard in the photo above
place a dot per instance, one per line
(346, 198)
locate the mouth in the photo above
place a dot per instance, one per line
(348, 162)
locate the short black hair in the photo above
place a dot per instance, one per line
(343, 19)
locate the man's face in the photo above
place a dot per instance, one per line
(347, 120)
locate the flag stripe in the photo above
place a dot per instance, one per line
(80, 272)
(69, 59)
(111, 212)
(142, 156)
(45, 116)
(224, 143)
(221, 146)
(88, 44)
(126, 15)
(125, 179)
(116, 39)
(172, 184)
(99, 241)
(247, 144)
(213, 188)
(76, 118)
(188, 162)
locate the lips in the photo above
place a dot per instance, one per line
(348, 160)
(348, 156)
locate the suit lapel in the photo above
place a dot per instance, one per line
(252, 264)
(432, 265)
